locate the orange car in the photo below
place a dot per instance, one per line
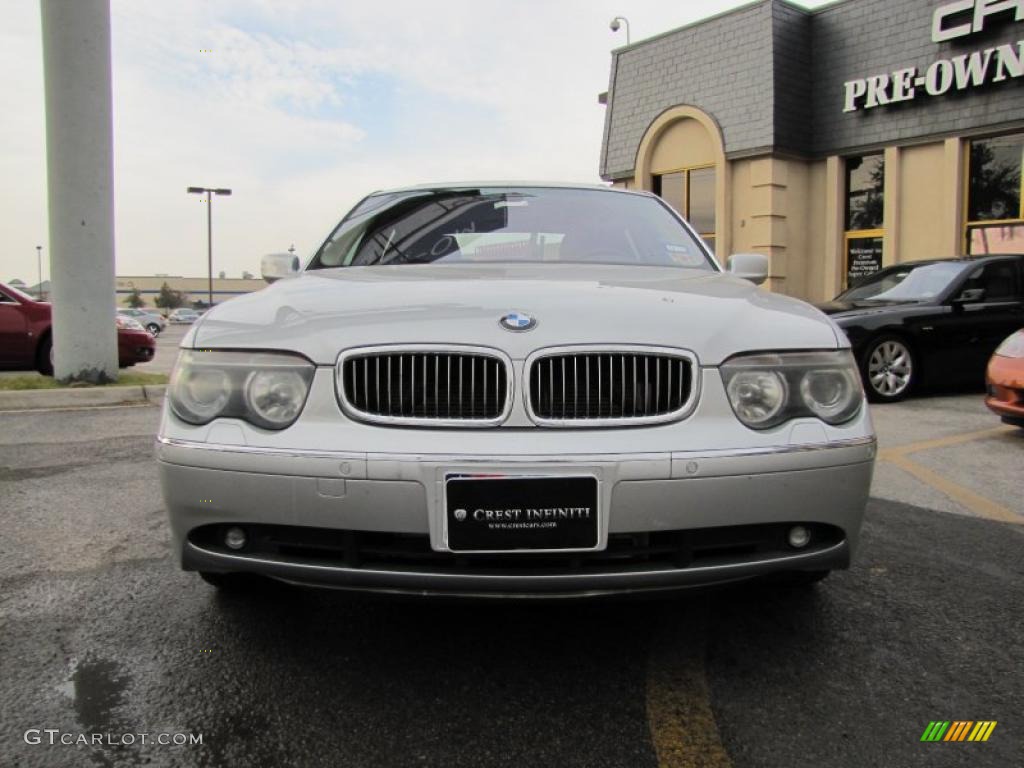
(1005, 378)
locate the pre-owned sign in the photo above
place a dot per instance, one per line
(965, 17)
(969, 70)
(956, 73)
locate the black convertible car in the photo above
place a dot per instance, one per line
(930, 321)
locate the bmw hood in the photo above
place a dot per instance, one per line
(323, 312)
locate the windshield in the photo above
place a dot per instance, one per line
(20, 294)
(906, 283)
(520, 225)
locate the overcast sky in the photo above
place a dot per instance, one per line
(302, 107)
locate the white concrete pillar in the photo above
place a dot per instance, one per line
(80, 178)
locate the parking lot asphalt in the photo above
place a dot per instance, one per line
(101, 633)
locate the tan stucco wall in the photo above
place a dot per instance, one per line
(771, 213)
(757, 216)
(815, 272)
(793, 210)
(798, 247)
(769, 205)
(683, 144)
(923, 193)
(683, 137)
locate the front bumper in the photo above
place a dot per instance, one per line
(135, 347)
(1005, 391)
(644, 498)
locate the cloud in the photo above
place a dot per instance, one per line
(303, 107)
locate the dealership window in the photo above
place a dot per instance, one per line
(691, 191)
(995, 219)
(865, 203)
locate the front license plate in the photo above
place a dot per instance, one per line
(496, 513)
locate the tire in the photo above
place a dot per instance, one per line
(44, 356)
(229, 582)
(153, 328)
(889, 369)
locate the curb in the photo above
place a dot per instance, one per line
(84, 397)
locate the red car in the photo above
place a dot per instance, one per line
(25, 338)
(1005, 379)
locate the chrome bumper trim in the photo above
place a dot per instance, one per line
(308, 453)
(505, 585)
(255, 450)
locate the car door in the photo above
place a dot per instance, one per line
(987, 307)
(14, 346)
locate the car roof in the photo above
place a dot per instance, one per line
(964, 259)
(439, 186)
(957, 259)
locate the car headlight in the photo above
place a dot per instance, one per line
(758, 397)
(199, 394)
(266, 389)
(767, 389)
(276, 396)
(1012, 346)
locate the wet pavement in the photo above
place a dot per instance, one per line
(101, 634)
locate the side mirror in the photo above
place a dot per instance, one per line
(278, 266)
(970, 296)
(749, 266)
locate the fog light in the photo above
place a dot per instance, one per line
(799, 537)
(234, 538)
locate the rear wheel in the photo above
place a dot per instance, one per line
(889, 369)
(44, 357)
(153, 328)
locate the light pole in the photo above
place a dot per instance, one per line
(39, 264)
(209, 192)
(615, 23)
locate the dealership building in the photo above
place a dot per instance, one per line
(194, 290)
(835, 141)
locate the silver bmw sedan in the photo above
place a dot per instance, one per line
(501, 389)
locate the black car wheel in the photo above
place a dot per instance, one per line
(153, 328)
(889, 369)
(44, 357)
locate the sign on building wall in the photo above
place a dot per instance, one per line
(997, 64)
(863, 258)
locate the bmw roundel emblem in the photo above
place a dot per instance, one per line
(518, 321)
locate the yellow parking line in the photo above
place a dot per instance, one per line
(899, 456)
(943, 442)
(683, 727)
